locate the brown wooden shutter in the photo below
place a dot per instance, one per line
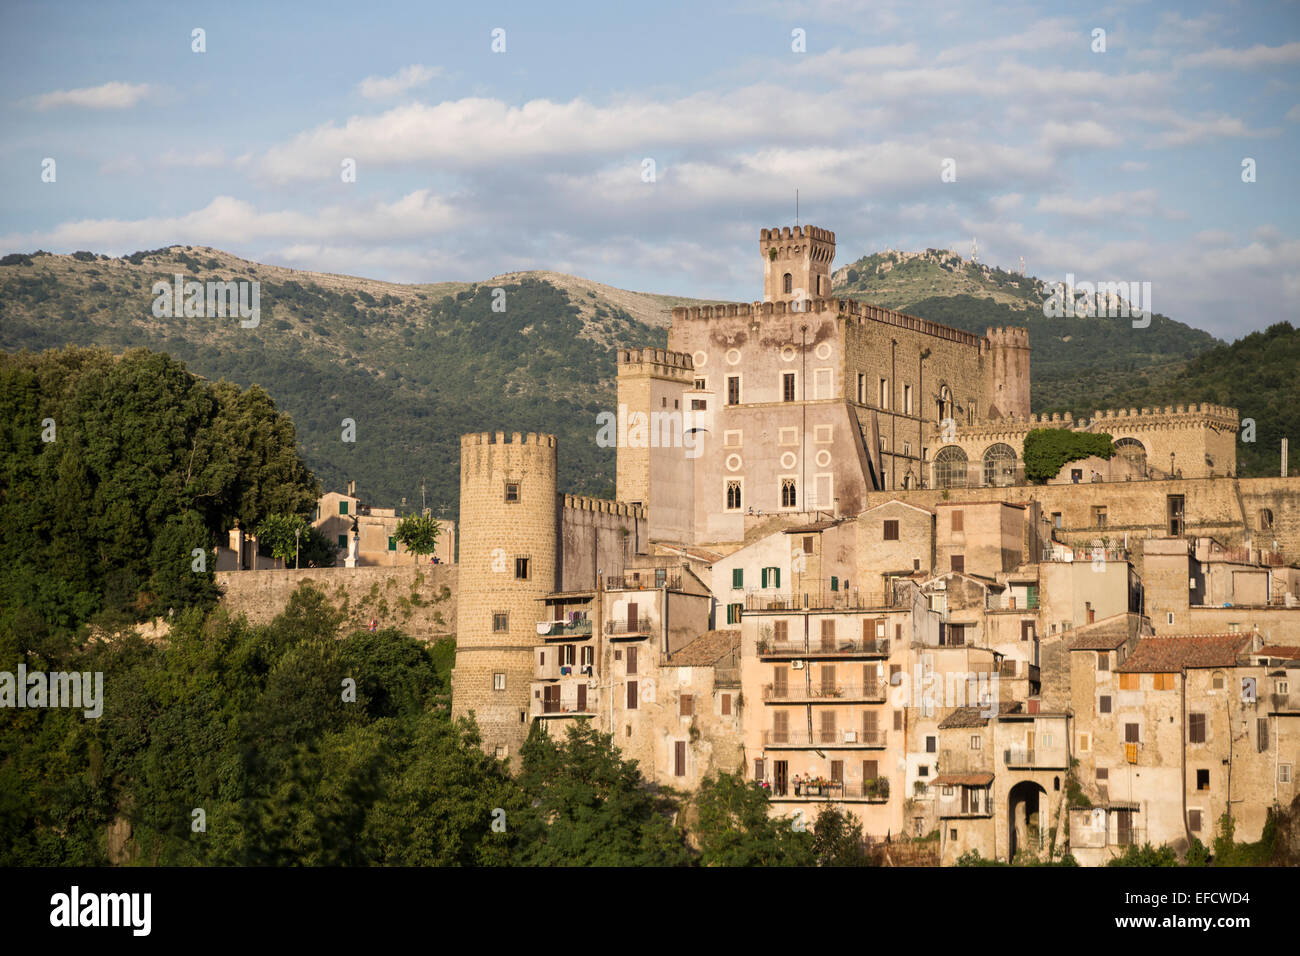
(1261, 726)
(582, 697)
(780, 681)
(679, 768)
(780, 727)
(837, 771)
(828, 635)
(631, 618)
(828, 680)
(631, 695)
(828, 726)
(631, 660)
(726, 705)
(758, 769)
(898, 720)
(870, 770)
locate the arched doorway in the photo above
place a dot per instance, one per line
(1028, 826)
(1133, 452)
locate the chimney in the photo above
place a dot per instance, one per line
(352, 489)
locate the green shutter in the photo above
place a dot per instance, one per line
(835, 583)
(763, 576)
(776, 573)
(392, 543)
(343, 507)
(343, 541)
(737, 577)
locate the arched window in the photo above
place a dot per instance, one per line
(733, 496)
(787, 284)
(950, 468)
(789, 498)
(1000, 466)
(1133, 452)
(1265, 519)
(945, 403)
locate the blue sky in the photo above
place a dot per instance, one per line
(1122, 165)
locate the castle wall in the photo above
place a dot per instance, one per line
(421, 601)
(597, 536)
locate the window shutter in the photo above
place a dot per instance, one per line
(1262, 733)
(737, 577)
(631, 695)
(726, 705)
(582, 697)
(777, 573)
(631, 660)
(898, 720)
(680, 768)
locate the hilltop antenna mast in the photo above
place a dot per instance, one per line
(1022, 265)
(974, 250)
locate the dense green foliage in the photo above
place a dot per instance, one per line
(735, 829)
(1047, 449)
(115, 471)
(413, 372)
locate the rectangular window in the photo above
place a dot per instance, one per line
(733, 389)
(1103, 705)
(891, 530)
(907, 399)
(1202, 780)
(931, 745)
(958, 562)
(512, 491)
(862, 389)
(787, 387)
(808, 545)
(1261, 733)
(521, 569)
(734, 496)
(789, 496)
(499, 681)
(898, 720)
(631, 695)
(737, 578)
(733, 613)
(343, 541)
(1130, 681)
(976, 742)
(343, 507)
(686, 706)
(699, 405)
(1194, 820)
(679, 758)
(835, 583)
(1176, 508)
(500, 622)
(884, 393)
(958, 521)
(1131, 734)
(1103, 660)
(1162, 681)
(701, 385)
(726, 705)
(392, 543)
(1196, 728)
(771, 577)
(1056, 520)
(781, 631)
(631, 660)
(758, 769)
(1284, 773)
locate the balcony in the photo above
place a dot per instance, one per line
(839, 647)
(1031, 758)
(553, 670)
(638, 628)
(829, 601)
(1019, 670)
(648, 581)
(872, 791)
(873, 692)
(831, 740)
(555, 630)
(564, 704)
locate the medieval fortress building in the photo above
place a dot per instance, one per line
(825, 569)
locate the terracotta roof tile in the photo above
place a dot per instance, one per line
(1163, 655)
(1284, 651)
(1106, 634)
(706, 650)
(975, 716)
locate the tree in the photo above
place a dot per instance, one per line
(419, 533)
(837, 839)
(735, 828)
(282, 534)
(1047, 449)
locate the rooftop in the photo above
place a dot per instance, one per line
(975, 716)
(1107, 634)
(706, 650)
(1162, 655)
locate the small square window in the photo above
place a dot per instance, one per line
(1284, 773)
(923, 771)
(343, 507)
(1202, 780)
(976, 742)
(1103, 705)
(699, 405)
(499, 681)
(701, 385)
(512, 491)
(500, 622)
(521, 569)
(891, 530)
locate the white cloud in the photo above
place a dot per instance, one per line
(1142, 202)
(407, 78)
(108, 96)
(1258, 55)
(1134, 166)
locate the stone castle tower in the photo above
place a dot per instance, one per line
(796, 263)
(509, 525)
(1008, 382)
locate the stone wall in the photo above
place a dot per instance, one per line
(420, 601)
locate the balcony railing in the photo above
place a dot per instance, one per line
(872, 791)
(826, 601)
(837, 647)
(564, 708)
(1032, 757)
(628, 628)
(647, 582)
(873, 691)
(852, 739)
(554, 629)
(553, 670)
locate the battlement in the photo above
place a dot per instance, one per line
(1102, 419)
(603, 505)
(846, 309)
(650, 356)
(1222, 413)
(499, 438)
(1010, 337)
(798, 232)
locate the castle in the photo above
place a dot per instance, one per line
(821, 507)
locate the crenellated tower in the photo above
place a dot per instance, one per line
(796, 263)
(1006, 380)
(508, 549)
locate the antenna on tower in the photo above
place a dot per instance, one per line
(974, 250)
(1022, 265)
